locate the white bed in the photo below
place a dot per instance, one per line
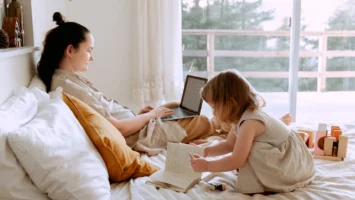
(334, 180)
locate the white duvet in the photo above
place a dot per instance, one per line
(333, 180)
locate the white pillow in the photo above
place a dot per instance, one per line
(14, 182)
(36, 82)
(18, 110)
(56, 94)
(40, 94)
(59, 157)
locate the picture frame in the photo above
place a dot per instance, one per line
(2, 11)
(6, 2)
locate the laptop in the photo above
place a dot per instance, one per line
(191, 101)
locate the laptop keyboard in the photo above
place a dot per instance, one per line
(179, 113)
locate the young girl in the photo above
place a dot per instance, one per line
(269, 155)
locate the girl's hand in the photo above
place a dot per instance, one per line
(199, 164)
(205, 152)
(161, 112)
(145, 110)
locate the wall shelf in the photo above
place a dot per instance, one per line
(10, 52)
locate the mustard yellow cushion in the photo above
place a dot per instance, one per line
(121, 161)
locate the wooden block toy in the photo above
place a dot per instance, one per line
(334, 128)
(335, 149)
(342, 146)
(303, 135)
(328, 145)
(332, 158)
(310, 141)
(322, 127)
(336, 133)
(319, 144)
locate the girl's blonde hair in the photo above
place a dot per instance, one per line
(231, 94)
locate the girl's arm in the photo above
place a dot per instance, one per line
(132, 125)
(246, 133)
(223, 147)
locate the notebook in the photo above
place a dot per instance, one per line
(191, 101)
(178, 174)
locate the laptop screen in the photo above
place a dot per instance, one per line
(192, 99)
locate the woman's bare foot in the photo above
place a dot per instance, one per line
(287, 119)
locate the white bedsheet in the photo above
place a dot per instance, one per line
(334, 180)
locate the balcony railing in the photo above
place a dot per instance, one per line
(323, 53)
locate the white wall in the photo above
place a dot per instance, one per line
(42, 15)
(113, 25)
(16, 72)
(38, 16)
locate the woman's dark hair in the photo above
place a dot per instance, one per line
(55, 44)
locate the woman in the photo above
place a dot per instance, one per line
(68, 50)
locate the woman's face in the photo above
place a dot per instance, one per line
(82, 56)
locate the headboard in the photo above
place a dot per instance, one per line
(16, 70)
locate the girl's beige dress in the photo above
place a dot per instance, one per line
(279, 160)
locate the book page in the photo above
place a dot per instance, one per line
(178, 158)
(178, 171)
(167, 178)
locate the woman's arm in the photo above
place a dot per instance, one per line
(246, 133)
(126, 126)
(223, 147)
(132, 125)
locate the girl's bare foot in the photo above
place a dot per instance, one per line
(287, 119)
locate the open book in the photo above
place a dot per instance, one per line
(178, 174)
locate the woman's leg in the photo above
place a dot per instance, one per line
(197, 128)
(200, 127)
(173, 104)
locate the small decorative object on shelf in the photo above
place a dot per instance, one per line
(4, 39)
(10, 26)
(14, 9)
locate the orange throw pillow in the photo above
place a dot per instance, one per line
(121, 161)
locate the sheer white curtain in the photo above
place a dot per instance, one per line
(159, 76)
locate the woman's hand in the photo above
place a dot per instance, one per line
(161, 112)
(145, 110)
(199, 164)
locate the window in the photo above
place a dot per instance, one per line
(250, 36)
(253, 36)
(327, 84)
